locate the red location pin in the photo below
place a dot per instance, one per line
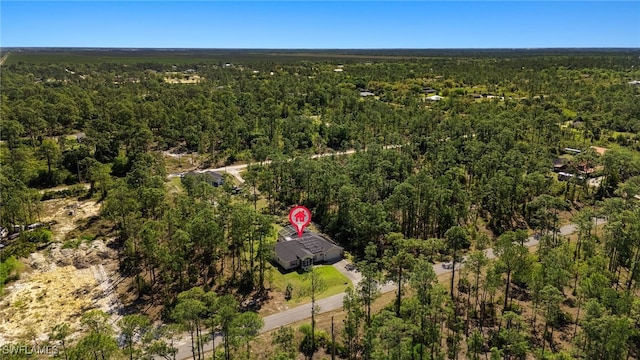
(300, 217)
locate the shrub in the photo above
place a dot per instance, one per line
(9, 270)
(288, 293)
(37, 236)
(72, 191)
(20, 249)
(72, 244)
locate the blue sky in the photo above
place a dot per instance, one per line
(325, 24)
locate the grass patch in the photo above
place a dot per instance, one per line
(92, 228)
(19, 304)
(174, 185)
(570, 114)
(262, 204)
(10, 270)
(72, 244)
(88, 237)
(75, 190)
(334, 283)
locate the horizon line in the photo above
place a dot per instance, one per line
(313, 49)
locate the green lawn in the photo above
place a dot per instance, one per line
(334, 283)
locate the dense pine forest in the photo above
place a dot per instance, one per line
(454, 153)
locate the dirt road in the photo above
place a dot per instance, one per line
(235, 170)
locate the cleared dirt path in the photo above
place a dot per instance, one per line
(235, 170)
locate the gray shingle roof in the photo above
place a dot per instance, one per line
(289, 246)
(291, 250)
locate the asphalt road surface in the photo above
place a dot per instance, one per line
(334, 302)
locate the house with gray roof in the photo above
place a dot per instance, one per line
(292, 252)
(213, 178)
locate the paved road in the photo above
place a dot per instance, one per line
(235, 170)
(531, 241)
(295, 314)
(334, 302)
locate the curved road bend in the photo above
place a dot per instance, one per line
(334, 302)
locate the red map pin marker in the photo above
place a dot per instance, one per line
(300, 217)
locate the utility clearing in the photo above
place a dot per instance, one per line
(62, 281)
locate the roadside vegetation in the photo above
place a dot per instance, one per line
(514, 145)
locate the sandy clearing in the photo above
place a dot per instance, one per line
(54, 291)
(61, 284)
(67, 213)
(40, 300)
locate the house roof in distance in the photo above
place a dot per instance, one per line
(213, 176)
(559, 163)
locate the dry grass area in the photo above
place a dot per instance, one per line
(175, 163)
(40, 300)
(276, 303)
(565, 217)
(69, 215)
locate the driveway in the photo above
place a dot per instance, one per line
(349, 271)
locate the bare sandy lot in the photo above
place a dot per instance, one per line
(40, 300)
(60, 283)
